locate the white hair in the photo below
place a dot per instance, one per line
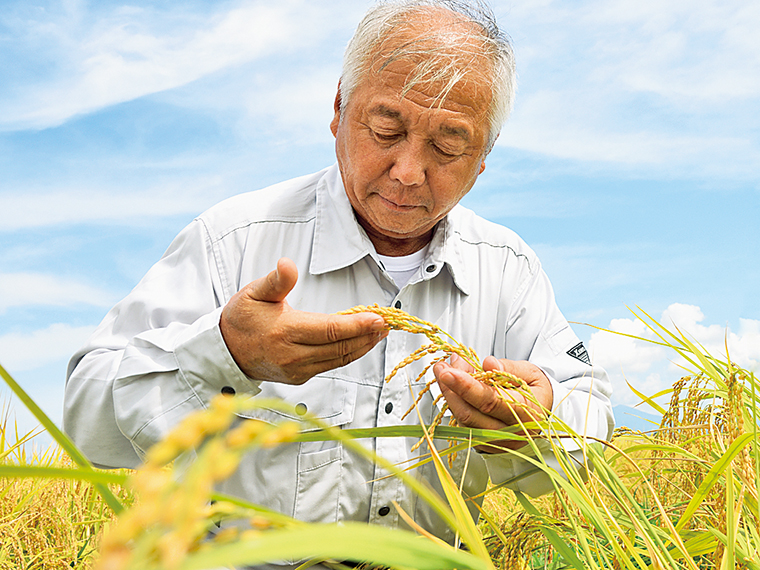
(449, 54)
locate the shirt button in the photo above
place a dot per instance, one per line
(398, 304)
(384, 511)
(228, 391)
(301, 409)
(430, 268)
(388, 408)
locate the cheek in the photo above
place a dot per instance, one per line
(369, 165)
(450, 190)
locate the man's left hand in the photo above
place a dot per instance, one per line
(475, 404)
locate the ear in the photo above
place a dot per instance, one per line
(483, 162)
(336, 117)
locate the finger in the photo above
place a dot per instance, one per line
(466, 414)
(469, 416)
(520, 368)
(503, 405)
(534, 377)
(277, 284)
(493, 363)
(300, 370)
(460, 363)
(318, 329)
(348, 349)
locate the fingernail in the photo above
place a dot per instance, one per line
(378, 325)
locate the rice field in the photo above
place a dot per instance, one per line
(684, 495)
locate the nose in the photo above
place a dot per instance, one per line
(408, 168)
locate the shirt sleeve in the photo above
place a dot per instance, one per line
(157, 356)
(538, 332)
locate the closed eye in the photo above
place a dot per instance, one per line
(444, 153)
(386, 137)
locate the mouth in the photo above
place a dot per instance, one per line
(391, 205)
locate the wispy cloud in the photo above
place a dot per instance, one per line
(545, 125)
(670, 85)
(39, 289)
(67, 205)
(302, 104)
(120, 55)
(56, 343)
(698, 52)
(651, 368)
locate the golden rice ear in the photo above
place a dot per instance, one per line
(443, 342)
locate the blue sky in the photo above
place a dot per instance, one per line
(630, 163)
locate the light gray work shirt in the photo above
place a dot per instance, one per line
(159, 355)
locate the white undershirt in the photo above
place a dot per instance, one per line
(403, 268)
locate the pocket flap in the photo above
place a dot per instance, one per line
(330, 399)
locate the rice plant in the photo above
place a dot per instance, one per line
(46, 522)
(682, 496)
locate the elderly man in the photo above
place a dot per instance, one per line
(243, 301)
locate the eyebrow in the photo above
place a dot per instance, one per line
(456, 132)
(384, 111)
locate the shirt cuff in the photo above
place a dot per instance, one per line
(520, 474)
(206, 363)
(517, 472)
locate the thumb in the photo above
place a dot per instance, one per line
(275, 287)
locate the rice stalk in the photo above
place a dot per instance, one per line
(46, 522)
(681, 496)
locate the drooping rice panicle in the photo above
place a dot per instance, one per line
(441, 341)
(428, 384)
(416, 355)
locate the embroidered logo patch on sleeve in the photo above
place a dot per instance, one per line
(579, 352)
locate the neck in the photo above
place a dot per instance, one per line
(396, 247)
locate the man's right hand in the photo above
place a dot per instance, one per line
(270, 340)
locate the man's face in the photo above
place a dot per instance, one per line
(407, 162)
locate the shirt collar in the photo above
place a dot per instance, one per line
(335, 211)
(446, 249)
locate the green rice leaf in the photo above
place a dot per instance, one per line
(647, 399)
(564, 550)
(38, 472)
(349, 541)
(61, 438)
(465, 525)
(749, 559)
(712, 477)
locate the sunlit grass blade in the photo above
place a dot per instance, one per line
(650, 400)
(749, 559)
(712, 477)
(61, 438)
(41, 472)
(440, 432)
(466, 527)
(349, 541)
(701, 544)
(275, 517)
(416, 527)
(564, 550)
(424, 492)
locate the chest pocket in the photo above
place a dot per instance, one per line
(326, 397)
(307, 478)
